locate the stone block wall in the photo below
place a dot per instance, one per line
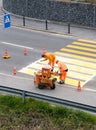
(75, 13)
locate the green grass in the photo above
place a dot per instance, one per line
(39, 115)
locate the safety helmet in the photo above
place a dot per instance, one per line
(57, 61)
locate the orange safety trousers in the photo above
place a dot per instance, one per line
(52, 62)
(63, 70)
(63, 75)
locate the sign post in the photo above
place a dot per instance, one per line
(7, 21)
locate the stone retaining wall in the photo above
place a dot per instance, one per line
(75, 13)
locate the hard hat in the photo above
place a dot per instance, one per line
(57, 61)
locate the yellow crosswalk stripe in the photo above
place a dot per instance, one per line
(81, 69)
(81, 48)
(69, 81)
(78, 52)
(35, 67)
(27, 71)
(76, 56)
(74, 82)
(88, 41)
(78, 75)
(76, 62)
(84, 44)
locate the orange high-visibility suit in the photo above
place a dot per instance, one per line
(63, 70)
(51, 57)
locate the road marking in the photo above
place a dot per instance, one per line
(88, 41)
(11, 44)
(78, 52)
(84, 44)
(81, 48)
(77, 62)
(81, 68)
(76, 56)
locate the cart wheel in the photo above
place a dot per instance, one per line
(54, 80)
(40, 86)
(53, 86)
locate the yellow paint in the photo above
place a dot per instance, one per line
(76, 62)
(81, 48)
(78, 75)
(76, 56)
(81, 69)
(88, 41)
(27, 71)
(78, 52)
(85, 44)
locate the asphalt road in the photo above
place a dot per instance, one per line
(15, 40)
(80, 68)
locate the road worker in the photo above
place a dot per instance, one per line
(51, 58)
(62, 71)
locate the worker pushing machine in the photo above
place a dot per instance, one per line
(51, 57)
(63, 71)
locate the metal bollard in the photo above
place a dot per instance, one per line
(46, 25)
(23, 20)
(69, 28)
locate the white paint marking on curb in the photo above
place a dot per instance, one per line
(11, 44)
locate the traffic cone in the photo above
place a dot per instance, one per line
(6, 56)
(25, 51)
(43, 51)
(14, 71)
(79, 86)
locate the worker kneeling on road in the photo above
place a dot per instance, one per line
(51, 57)
(63, 71)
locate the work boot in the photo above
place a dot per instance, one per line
(61, 82)
(52, 69)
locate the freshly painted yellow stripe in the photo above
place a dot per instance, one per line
(88, 41)
(27, 71)
(81, 69)
(76, 56)
(71, 68)
(78, 52)
(81, 48)
(70, 74)
(77, 62)
(71, 81)
(77, 75)
(74, 82)
(84, 44)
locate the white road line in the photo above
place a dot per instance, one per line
(11, 44)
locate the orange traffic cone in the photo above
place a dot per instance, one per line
(79, 86)
(14, 71)
(25, 51)
(6, 56)
(43, 51)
